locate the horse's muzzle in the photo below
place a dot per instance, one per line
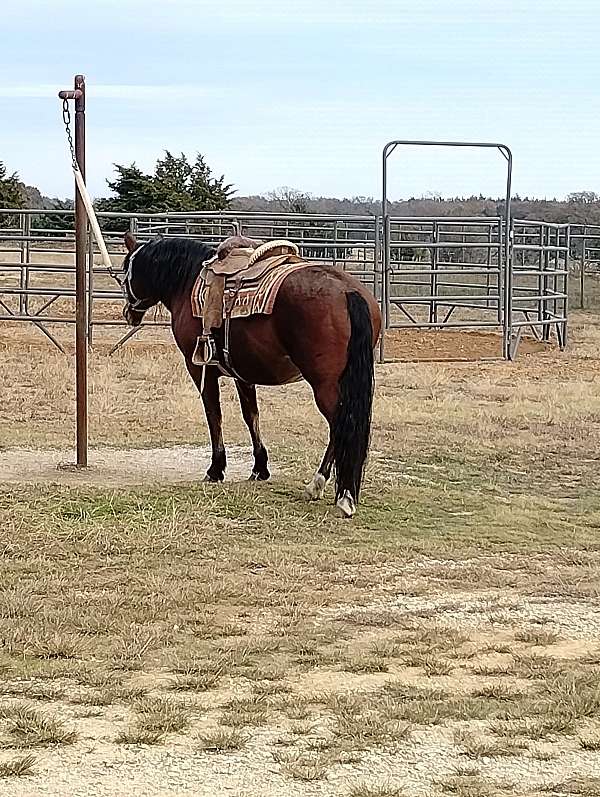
(133, 317)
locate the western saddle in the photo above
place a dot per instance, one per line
(238, 260)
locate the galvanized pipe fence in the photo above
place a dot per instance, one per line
(585, 265)
(427, 273)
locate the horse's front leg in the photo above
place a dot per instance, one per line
(209, 390)
(249, 405)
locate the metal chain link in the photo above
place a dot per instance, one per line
(66, 113)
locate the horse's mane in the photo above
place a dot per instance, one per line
(169, 264)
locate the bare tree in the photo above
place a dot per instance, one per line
(289, 200)
(583, 197)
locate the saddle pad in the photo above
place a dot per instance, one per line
(255, 293)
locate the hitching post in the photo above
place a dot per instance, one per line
(81, 221)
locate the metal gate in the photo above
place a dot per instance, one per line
(479, 272)
(452, 274)
(585, 259)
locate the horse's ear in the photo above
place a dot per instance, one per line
(159, 236)
(130, 242)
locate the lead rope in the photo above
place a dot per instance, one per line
(84, 194)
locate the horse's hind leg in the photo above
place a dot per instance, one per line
(315, 489)
(326, 397)
(209, 390)
(249, 405)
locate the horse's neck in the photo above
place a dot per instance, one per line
(179, 297)
(171, 289)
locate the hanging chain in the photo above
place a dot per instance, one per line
(66, 113)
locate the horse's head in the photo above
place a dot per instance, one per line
(137, 295)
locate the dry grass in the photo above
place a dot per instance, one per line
(270, 688)
(556, 707)
(589, 787)
(366, 663)
(469, 785)
(108, 695)
(590, 740)
(366, 790)
(154, 718)
(536, 636)
(221, 740)
(24, 726)
(302, 765)
(434, 665)
(245, 599)
(474, 745)
(242, 712)
(423, 706)
(498, 692)
(18, 767)
(362, 721)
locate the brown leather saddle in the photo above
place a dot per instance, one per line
(238, 260)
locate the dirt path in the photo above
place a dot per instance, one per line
(114, 467)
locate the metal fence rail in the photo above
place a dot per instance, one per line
(585, 263)
(442, 272)
(539, 280)
(37, 255)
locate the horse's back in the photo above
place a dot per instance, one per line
(306, 334)
(320, 292)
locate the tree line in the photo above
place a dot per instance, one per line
(178, 184)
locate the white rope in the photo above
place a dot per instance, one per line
(87, 201)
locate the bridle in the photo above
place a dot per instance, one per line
(133, 302)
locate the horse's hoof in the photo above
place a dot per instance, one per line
(261, 476)
(345, 505)
(315, 489)
(212, 479)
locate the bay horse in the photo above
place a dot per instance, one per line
(323, 328)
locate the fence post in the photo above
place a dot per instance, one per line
(582, 271)
(23, 259)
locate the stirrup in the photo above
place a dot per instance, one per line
(205, 352)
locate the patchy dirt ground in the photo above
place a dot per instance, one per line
(408, 345)
(159, 636)
(117, 467)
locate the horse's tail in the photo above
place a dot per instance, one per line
(352, 420)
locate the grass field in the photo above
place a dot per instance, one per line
(164, 637)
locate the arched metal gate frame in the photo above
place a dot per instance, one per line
(505, 285)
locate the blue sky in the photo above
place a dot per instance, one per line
(306, 93)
